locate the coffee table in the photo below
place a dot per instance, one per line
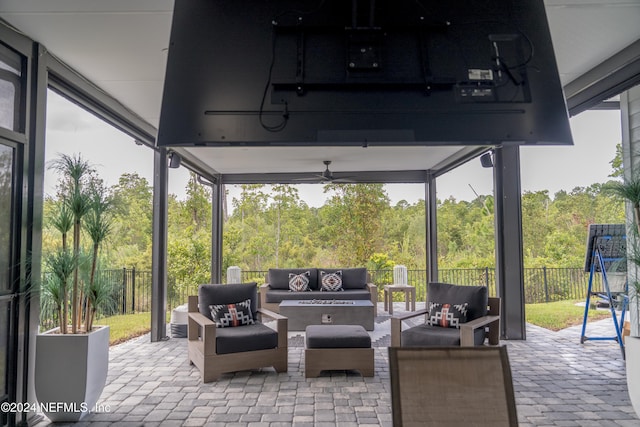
(303, 313)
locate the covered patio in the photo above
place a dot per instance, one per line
(557, 381)
(110, 58)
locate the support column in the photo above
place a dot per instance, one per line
(430, 211)
(27, 315)
(630, 113)
(217, 218)
(508, 237)
(159, 246)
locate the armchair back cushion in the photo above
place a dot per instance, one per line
(227, 294)
(476, 296)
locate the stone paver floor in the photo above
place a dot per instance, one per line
(557, 381)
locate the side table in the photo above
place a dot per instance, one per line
(409, 296)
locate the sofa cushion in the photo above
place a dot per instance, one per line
(476, 296)
(352, 278)
(331, 282)
(245, 338)
(209, 295)
(436, 336)
(278, 278)
(278, 295)
(231, 315)
(299, 282)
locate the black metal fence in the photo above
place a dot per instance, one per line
(132, 288)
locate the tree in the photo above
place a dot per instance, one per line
(616, 163)
(189, 236)
(132, 205)
(356, 211)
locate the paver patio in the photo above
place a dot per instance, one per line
(557, 380)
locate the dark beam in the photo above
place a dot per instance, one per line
(159, 249)
(508, 241)
(217, 220)
(431, 208)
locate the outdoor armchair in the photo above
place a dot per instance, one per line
(455, 316)
(225, 333)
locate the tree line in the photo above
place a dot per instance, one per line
(271, 226)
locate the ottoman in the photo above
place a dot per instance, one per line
(337, 347)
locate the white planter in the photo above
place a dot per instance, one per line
(632, 358)
(71, 371)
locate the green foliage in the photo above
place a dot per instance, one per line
(355, 214)
(269, 226)
(132, 203)
(616, 163)
(380, 261)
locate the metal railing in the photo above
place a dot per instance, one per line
(132, 288)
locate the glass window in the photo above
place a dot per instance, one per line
(10, 89)
(4, 343)
(6, 197)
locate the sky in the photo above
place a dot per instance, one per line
(71, 130)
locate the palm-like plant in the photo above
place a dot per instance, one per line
(76, 172)
(97, 224)
(61, 265)
(629, 190)
(63, 222)
(99, 293)
(84, 205)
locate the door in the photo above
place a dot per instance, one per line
(8, 290)
(12, 138)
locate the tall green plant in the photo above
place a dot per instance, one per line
(629, 190)
(63, 221)
(84, 205)
(61, 265)
(97, 224)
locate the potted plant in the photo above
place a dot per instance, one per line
(629, 190)
(72, 359)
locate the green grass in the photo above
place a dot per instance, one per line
(127, 326)
(561, 314)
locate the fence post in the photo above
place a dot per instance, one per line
(546, 284)
(486, 277)
(133, 290)
(124, 290)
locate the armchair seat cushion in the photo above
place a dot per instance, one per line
(245, 338)
(437, 336)
(277, 295)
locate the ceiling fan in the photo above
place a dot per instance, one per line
(326, 176)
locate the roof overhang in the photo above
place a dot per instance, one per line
(119, 49)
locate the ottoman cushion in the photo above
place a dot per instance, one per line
(337, 336)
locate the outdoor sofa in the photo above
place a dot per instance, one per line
(284, 284)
